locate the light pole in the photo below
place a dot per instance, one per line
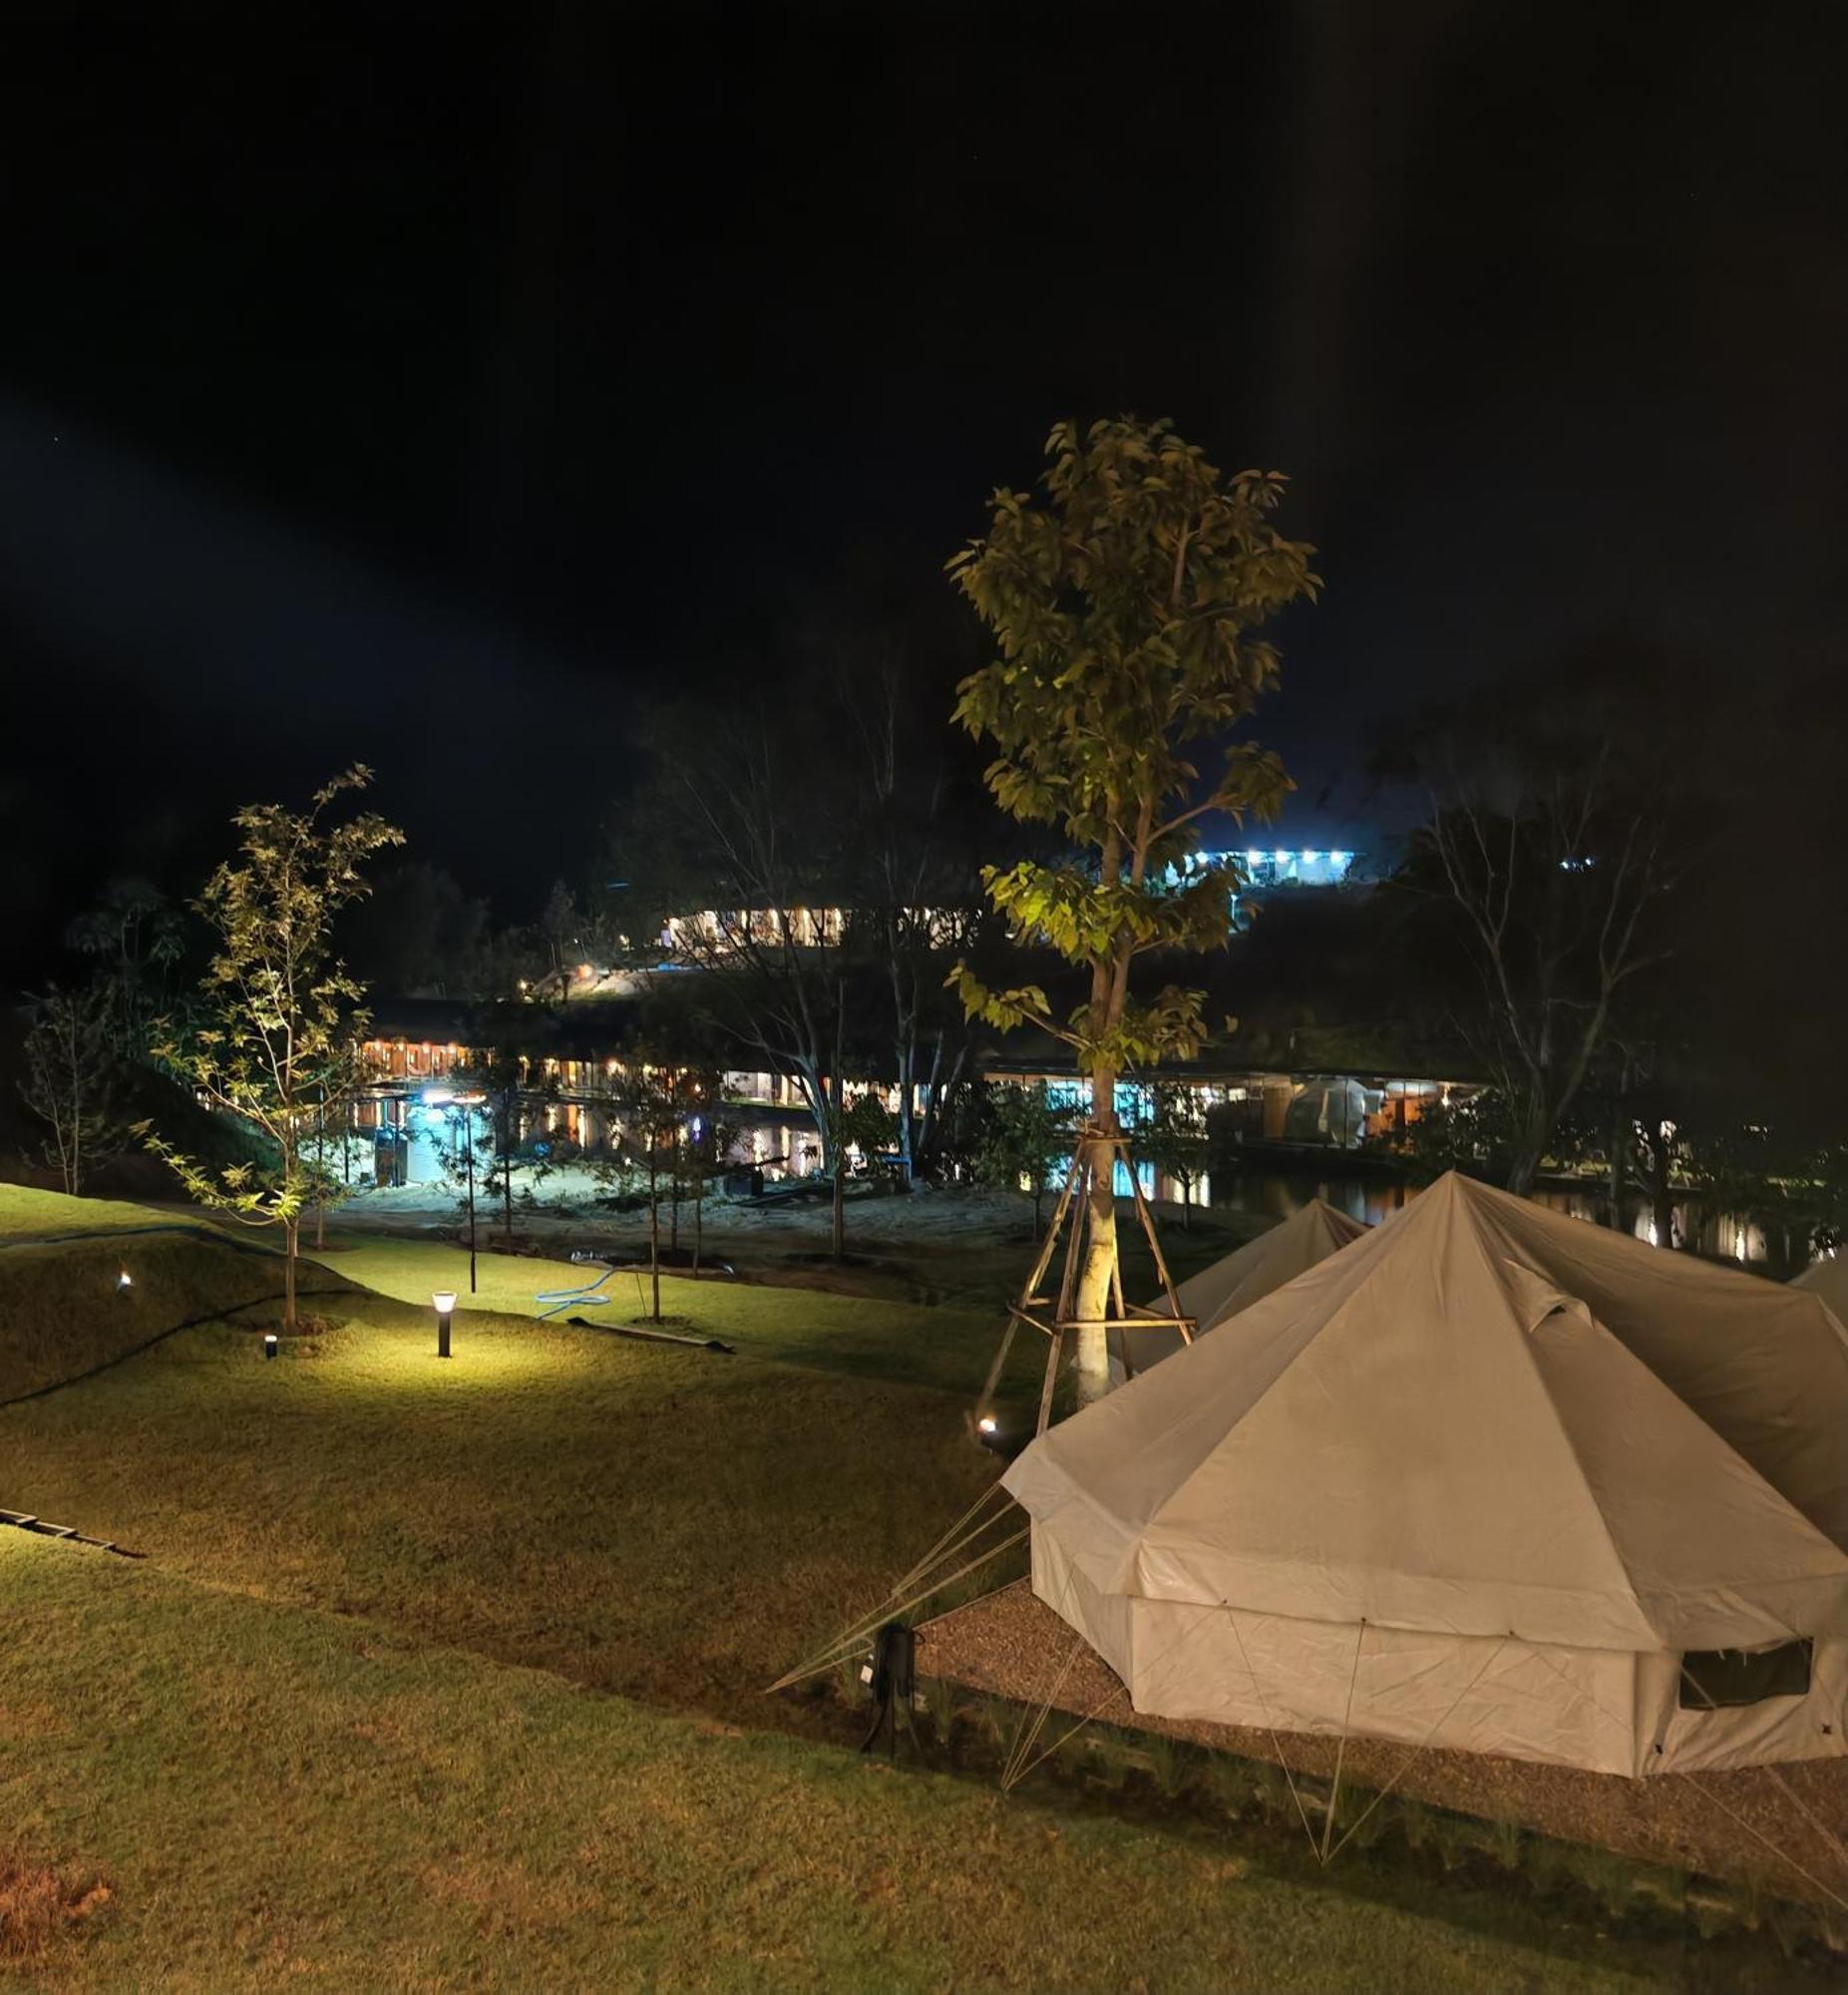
(467, 1144)
(468, 1103)
(444, 1301)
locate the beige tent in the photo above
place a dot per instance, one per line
(1244, 1277)
(1489, 1479)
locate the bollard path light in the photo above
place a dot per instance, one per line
(269, 1345)
(444, 1301)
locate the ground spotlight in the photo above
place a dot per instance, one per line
(444, 1301)
(987, 1424)
(123, 1280)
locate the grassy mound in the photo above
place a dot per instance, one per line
(29, 1214)
(64, 1311)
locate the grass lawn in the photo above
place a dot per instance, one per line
(343, 1725)
(272, 1795)
(64, 1310)
(674, 1524)
(26, 1214)
(909, 1341)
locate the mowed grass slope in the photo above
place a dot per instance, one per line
(911, 1341)
(274, 1796)
(29, 1214)
(64, 1310)
(676, 1524)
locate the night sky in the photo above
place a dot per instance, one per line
(432, 387)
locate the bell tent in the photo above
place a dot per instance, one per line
(1244, 1277)
(1490, 1478)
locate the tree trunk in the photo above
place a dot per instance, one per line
(654, 1233)
(907, 1108)
(1619, 1142)
(320, 1178)
(1098, 1269)
(508, 1110)
(699, 1219)
(1529, 1148)
(291, 1229)
(838, 1231)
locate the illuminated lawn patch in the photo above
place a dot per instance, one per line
(281, 1797)
(672, 1523)
(43, 1215)
(895, 1341)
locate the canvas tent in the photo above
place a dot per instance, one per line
(1244, 1277)
(1489, 1479)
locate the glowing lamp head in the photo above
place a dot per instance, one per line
(444, 1301)
(987, 1424)
(123, 1280)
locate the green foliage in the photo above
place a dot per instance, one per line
(1474, 1133)
(1173, 1135)
(1173, 1765)
(280, 1026)
(1025, 1136)
(1126, 602)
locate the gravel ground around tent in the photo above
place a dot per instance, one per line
(1787, 1824)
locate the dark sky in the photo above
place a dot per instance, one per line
(429, 386)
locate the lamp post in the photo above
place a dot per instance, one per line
(467, 1144)
(468, 1103)
(444, 1301)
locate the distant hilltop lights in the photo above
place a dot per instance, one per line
(1277, 868)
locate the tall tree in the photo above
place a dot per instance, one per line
(1560, 824)
(914, 880)
(279, 1016)
(1126, 602)
(745, 869)
(71, 1076)
(653, 1095)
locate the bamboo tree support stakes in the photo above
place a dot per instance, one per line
(1079, 1179)
(1072, 1214)
(1155, 1247)
(1029, 1296)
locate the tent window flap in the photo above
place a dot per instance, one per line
(1713, 1677)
